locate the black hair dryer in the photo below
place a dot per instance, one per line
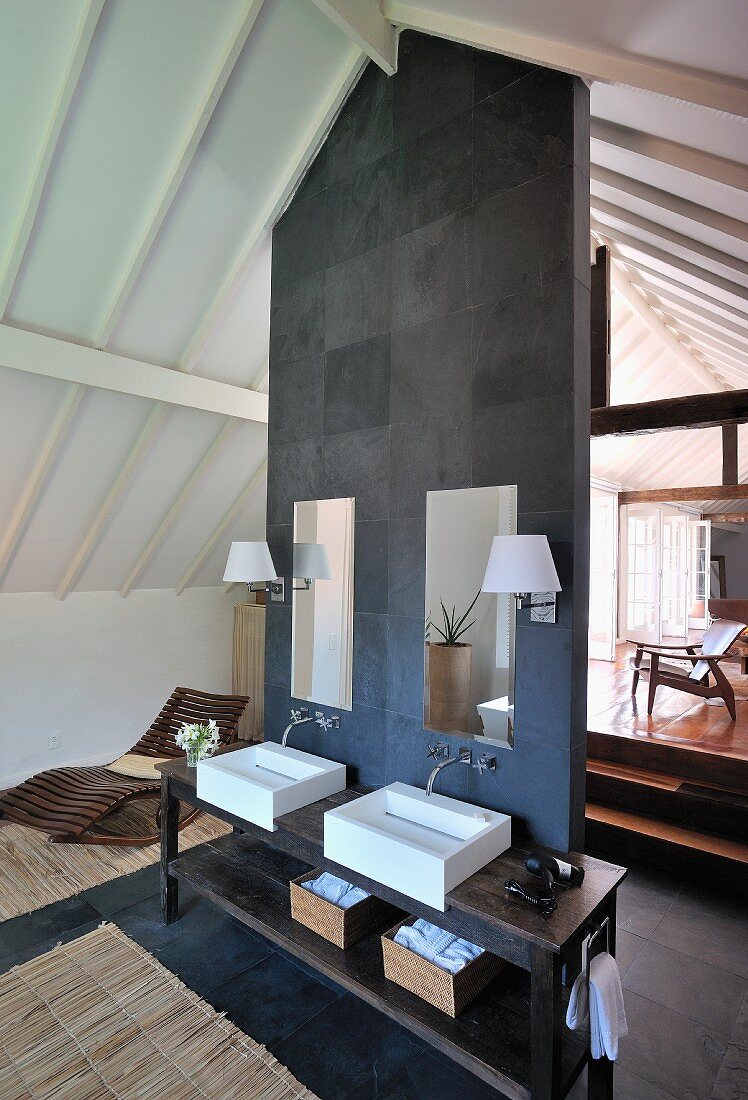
(551, 870)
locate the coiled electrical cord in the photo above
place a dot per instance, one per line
(547, 903)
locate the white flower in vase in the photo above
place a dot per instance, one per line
(198, 739)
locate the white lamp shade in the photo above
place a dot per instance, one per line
(521, 563)
(310, 561)
(250, 561)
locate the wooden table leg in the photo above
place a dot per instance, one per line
(600, 1070)
(545, 1025)
(169, 851)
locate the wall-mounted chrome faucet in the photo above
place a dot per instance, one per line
(331, 723)
(298, 718)
(485, 763)
(440, 750)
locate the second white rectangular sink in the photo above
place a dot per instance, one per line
(421, 845)
(266, 781)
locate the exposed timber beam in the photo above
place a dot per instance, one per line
(70, 77)
(178, 505)
(676, 81)
(192, 137)
(732, 264)
(209, 545)
(689, 492)
(600, 328)
(638, 304)
(52, 358)
(37, 479)
(666, 200)
(362, 21)
(300, 161)
(730, 452)
(726, 517)
(695, 161)
(703, 410)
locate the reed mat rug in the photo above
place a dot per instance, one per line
(34, 873)
(100, 1017)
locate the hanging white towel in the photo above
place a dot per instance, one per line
(437, 946)
(600, 1005)
(336, 890)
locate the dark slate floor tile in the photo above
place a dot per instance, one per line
(357, 464)
(494, 71)
(628, 950)
(626, 1086)
(294, 473)
(431, 270)
(271, 1000)
(431, 369)
(296, 402)
(523, 345)
(297, 320)
(432, 175)
(126, 890)
(142, 920)
(426, 1077)
(370, 659)
(359, 211)
(209, 956)
(357, 298)
(531, 229)
(428, 455)
(310, 971)
(33, 933)
(673, 1052)
(732, 1079)
(407, 567)
(8, 959)
(434, 81)
(712, 931)
(706, 994)
(347, 1046)
(371, 565)
(363, 132)
(357, 386)
(522, 132)
(300, 240)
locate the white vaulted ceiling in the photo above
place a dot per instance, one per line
(149, 145)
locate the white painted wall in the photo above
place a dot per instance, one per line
(97, 669)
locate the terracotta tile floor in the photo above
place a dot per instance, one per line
(677, 717)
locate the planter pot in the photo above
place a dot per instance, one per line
(448, 686)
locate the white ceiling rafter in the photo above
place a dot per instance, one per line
(718, 340)
(661, 282)
(52, 358)
(669, 301)
(71, 75)
(235, 510)
(666, 200)
(692, 85)
(38, 477)
(639, 305)
(696, 161)
(280, 197)
(155, 217)
(362, 21)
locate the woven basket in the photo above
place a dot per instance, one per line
(451, 993)
(342, 927)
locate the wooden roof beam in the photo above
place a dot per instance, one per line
(704, 410)
(684, 493)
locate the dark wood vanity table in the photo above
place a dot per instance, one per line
(513, 1036)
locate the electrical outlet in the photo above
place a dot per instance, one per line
(55, 740)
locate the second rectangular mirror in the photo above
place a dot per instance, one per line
(469, 658)
(322, 637)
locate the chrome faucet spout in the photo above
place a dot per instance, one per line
(465, 756)
(294, 722)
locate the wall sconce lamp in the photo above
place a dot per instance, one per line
(310, 562)
(522, 565)
(251, 563)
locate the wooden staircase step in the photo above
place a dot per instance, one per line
(690, 762)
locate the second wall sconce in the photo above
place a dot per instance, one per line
(522, 565)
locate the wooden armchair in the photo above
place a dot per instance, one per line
(704, 656)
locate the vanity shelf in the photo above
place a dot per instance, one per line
(512, 1037)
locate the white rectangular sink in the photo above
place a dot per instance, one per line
(266, 781)
(421, 845)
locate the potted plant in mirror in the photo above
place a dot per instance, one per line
(448, 667)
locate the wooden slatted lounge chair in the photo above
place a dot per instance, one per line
(704, 658)
(68, 802)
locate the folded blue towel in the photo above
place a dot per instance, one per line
(336, 890)
(441, 948)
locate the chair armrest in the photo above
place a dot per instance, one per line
(694, 658)
(650, 647)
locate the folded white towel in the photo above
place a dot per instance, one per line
(601, 1005)
(336, 890)
(441, 948)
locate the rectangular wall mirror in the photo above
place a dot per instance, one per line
(322, 638)
(468, 686)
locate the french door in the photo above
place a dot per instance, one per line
(603, 574)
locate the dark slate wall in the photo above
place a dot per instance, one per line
(430, 330)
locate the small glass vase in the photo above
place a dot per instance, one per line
(194, 755)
